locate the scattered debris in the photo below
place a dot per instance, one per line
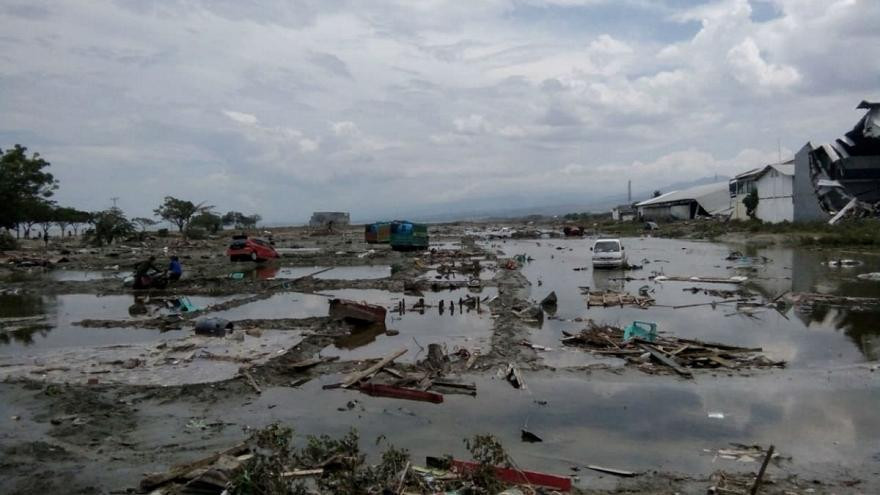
(611, 298)
(515, 377)
(360, 312)
(675, 354)
(213, 327)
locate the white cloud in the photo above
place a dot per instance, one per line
(241, 117)
(491, 99)
(750, 68)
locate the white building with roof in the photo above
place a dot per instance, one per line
(701, 201)
(775, 186)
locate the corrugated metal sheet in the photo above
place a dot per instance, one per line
(714, 198)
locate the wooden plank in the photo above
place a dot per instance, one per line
(446, 383)
(250, 381)
(308, 363)
(156, 480)
(665, 359)
(719, 346)
(376, 390)
(616, 472)
(757, 484)
(720, 360)
(360, 375)
(300, 473)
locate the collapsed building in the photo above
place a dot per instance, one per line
(842, 177)
(702, 201)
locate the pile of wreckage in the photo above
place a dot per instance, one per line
(639, 345)
(268, 463)
(845, 172)
(427, 384)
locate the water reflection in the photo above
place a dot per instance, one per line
(271, 271)
(803, 339)
(48, 322)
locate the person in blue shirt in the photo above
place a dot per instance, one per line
(175, 270)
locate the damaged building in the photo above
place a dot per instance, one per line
(329, 219)
(701, 201)
(774, 185)
(842, 177)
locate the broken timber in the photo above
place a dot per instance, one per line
(616, 472)
(372, 370)
(621, 299)
(376, 390)
(180, 470)
(667, 360)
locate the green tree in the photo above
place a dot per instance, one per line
(65, 216)
(143, 222)
(23, 183)
(33, 212)
(110, 225)
(751, 203)
(207, 220)
(180, 212)
(78, 219)
(250, 221)
(232, 219)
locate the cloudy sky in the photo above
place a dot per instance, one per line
(387, 107)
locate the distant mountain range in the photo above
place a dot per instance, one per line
(486, 208)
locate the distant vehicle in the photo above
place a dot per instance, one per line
(377, 233)
(608, 253)
(651, 226)
(244, 248)
(408, 236)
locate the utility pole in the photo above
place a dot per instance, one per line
(114, 199)
(629, 191)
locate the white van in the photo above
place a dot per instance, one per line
(608, 253)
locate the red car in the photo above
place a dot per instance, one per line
(244, 248)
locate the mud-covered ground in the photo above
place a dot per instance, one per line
(76, 419)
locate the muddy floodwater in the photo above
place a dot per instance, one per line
(820, 410)
(820, 338)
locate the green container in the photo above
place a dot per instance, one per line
(643, 330)
(409, 236)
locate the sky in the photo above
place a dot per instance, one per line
(393, 107)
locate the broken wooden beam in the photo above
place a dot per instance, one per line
(391, 391)
(666, 359)
(156, 480)
(360, 375)
(447, 383)
(616, 472)
(308, 363)
(760, 476)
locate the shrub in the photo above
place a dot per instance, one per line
(7, 242)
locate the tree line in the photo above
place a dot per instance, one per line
(26, 190)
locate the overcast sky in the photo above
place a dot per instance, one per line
(283, 107)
